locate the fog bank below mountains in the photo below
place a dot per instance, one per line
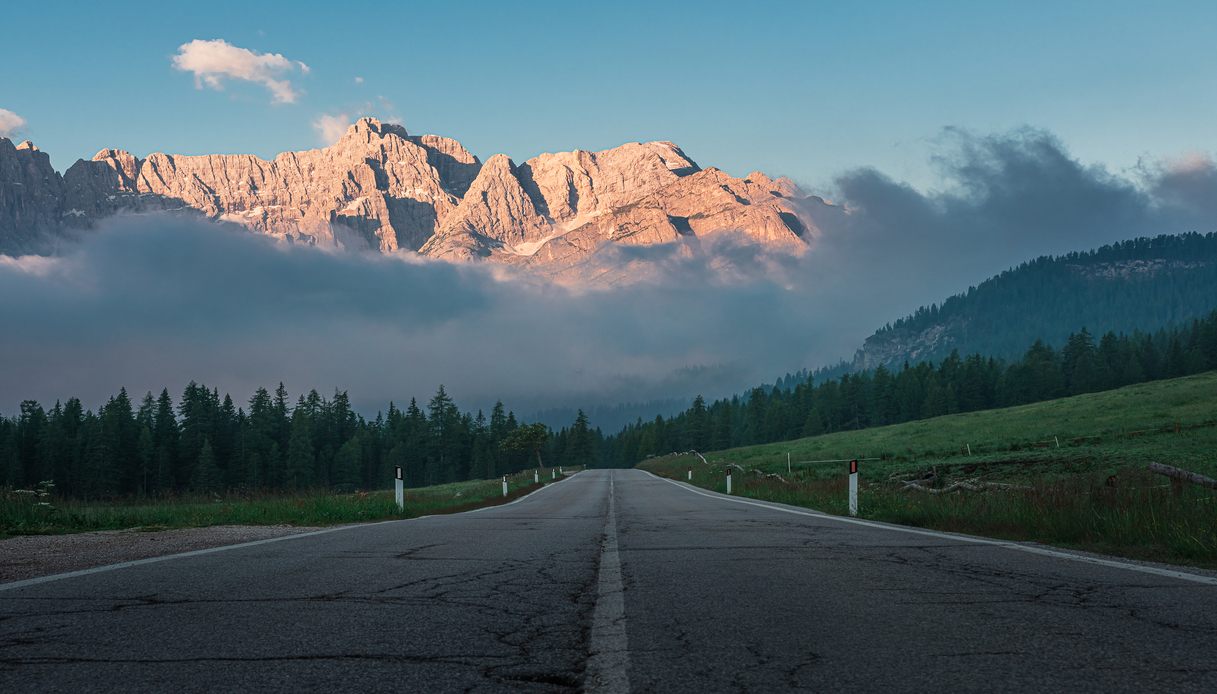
(156, 301)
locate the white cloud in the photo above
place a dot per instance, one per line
(358, 80)
(213, 61)
(330, 127)
(10, 122)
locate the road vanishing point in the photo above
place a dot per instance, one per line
(615, 581)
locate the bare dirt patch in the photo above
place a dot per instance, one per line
(30, 556)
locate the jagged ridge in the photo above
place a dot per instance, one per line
(381, 187)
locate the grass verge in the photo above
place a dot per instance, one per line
(27, 514)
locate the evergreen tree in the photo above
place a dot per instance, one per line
(206, 478)
(348, 463)
(580, 449)
(300, 457)
(697, 426)
(165, 439)
(443, 419)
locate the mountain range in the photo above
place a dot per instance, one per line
(381, 188)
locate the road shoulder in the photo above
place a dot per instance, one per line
(32, 556)
(1186, 573)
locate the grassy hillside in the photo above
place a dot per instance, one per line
(1108, 430)
(1068, 471)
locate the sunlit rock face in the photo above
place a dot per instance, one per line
(381, 188)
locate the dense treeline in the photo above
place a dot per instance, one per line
(1140, 284)
(955, 384)
(205, 443)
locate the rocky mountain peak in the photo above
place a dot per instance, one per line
(118, 154)
(366, 128)
(380, 187)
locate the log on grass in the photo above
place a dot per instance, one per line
(1184, 475)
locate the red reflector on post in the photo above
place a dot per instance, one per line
(853, 467)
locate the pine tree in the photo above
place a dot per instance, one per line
(147, 459)
(96, 479)
(206, 478)
(697, 427)
(1080, 364)
(165, 438)
(581, 447)
(348, 463)
(281, 418)
(300, 457)
(10, 461)
(814, 424)
(121, 443)
(415, 442)
(443, 418)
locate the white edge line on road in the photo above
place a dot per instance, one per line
(254, 543)
(1030, 549)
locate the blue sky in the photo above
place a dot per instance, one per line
(806, 89)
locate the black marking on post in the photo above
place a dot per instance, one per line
(398, 471)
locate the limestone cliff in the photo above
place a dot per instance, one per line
(382, 188)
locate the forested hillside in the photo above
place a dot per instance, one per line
(925, 389)
(1143, 284)
(207, 443)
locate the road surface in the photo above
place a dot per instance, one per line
(615, 581)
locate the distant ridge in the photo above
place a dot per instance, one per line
(1141, 284)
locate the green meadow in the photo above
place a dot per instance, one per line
(1070, 472)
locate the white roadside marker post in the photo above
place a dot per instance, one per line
(504, 485)
(553, 473)
(728, 480)
(1058, 441)
(690, 474)
(399, 491)
(788, 474)
(853, 487)
(536, 476)
(969, 448)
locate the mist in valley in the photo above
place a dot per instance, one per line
(152, 301)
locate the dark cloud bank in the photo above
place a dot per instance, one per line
(147, 302)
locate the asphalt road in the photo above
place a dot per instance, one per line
(615, 581)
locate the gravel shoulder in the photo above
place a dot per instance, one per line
(30, 556)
